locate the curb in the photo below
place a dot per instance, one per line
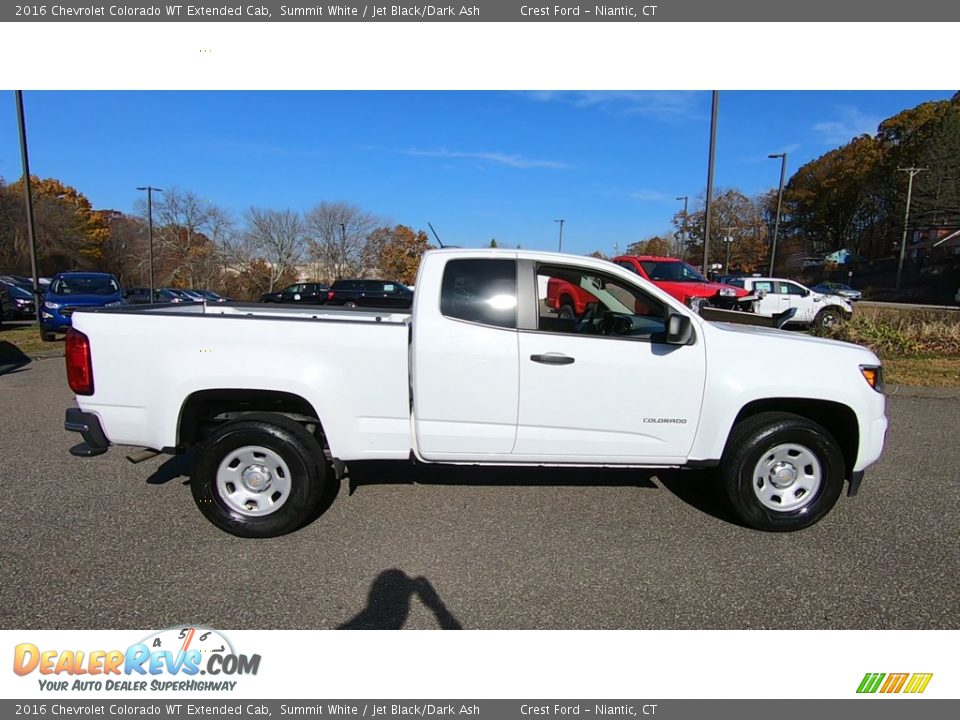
(922, 392)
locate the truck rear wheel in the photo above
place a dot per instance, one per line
(781, 472)
(260, 476)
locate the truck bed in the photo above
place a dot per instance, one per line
(351, 365)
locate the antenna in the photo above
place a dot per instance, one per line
(435, 235)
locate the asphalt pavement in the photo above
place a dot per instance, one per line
(102, 543)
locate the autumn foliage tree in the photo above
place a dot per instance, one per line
(69, 232)
(397, 252)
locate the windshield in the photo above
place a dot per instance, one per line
(673, 271)
(85, 285)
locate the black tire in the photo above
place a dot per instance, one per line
(752, 445)
(828, 318)
(277, 437)
(350, 304)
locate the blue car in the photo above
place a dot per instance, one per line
(71, 291)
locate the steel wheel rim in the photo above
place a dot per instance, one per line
(787, 477)
(829, 320)
(253, 480)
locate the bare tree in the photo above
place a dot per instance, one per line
(339, 238)
(190, 235)
(274, 241)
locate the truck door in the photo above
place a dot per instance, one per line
(793, 295)
(606, 386)
(771, 303)
(464, 358)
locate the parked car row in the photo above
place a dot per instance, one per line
(345, 293)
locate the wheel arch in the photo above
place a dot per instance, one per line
(203, 410)
(836, 418)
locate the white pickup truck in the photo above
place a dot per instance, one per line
(482, 371)
(778, 295)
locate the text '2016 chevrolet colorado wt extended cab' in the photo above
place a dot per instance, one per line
(481, 371)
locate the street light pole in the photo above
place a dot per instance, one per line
(150, 191)
(906, 219)
(28, 201)
(776, 222)
(683, 229)
(560, 247)
(709, 204)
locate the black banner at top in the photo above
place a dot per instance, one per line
(485, 11)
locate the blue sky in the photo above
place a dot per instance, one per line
(478, 165)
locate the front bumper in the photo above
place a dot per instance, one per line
(88, 425)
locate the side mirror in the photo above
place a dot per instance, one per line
(679, 329)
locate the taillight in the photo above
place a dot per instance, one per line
(79, 367)
(330, 295)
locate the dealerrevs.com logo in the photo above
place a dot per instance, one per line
(910, 683)
(171, 659)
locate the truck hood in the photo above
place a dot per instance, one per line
(696, 289)
(783, 335)
(83, 300)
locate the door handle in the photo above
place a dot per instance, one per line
(553, 359)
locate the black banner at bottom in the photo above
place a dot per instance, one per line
(867, 708)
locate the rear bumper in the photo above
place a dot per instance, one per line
(88, 425)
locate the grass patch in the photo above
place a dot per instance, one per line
(27, 339)
(923, 371)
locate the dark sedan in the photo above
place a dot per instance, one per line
(20, 303)
(833, 288)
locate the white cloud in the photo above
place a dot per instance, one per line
(497, 158)
(663, 105)
(651, 196)
(851, 123)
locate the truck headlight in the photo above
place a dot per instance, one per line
(52, 305)
(727, 292)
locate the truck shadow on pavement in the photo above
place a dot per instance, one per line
(388, 603)
(697, 488)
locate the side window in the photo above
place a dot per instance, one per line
(790, 289)
(583, 301)
(481, 291)
(629, 266)
(389, 288)
(765, 286)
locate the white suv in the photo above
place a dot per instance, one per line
(775, 295)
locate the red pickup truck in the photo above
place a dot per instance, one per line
(684, 282)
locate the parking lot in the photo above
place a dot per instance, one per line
(102, 543)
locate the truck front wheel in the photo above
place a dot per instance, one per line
(260, 476)
(828, 318)
(781, 472)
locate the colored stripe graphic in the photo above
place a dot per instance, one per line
(918, 682)
(894, 683)
(870, 682)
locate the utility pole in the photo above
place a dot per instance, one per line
(560, 247)
(906, 219)
(150, 191)
(683, 229)
(28, 201)
(776, 222)
(728, 240)
(709, 204)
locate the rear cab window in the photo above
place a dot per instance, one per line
(480, 291)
